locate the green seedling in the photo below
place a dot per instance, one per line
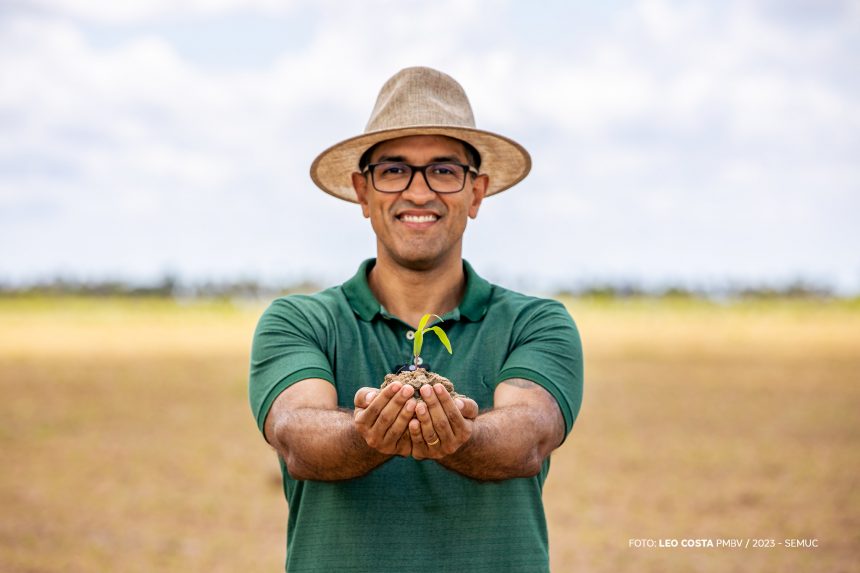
(418, 342)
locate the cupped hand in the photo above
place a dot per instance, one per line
(382, 417)
(442, 424)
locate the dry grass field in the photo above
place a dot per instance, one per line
(126, 442)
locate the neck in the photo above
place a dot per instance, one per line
(409, 294)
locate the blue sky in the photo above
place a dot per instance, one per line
(673, 142)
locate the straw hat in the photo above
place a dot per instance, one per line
(421, 101)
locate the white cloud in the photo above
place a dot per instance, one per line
(136, 11)
(686, 118)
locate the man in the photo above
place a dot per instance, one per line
(377, 480)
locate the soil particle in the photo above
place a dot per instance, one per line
(417, 378)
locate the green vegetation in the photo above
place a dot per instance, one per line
(170, 286)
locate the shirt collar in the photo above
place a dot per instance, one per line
(473, 307)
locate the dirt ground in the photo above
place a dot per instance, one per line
(126, 441)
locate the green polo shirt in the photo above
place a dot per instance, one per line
(408, 515)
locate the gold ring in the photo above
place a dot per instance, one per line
(434, 443)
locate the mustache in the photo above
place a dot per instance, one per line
(435, 205)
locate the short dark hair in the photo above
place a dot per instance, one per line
(473, 158)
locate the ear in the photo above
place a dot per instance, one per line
(359, 183)
(479, 191)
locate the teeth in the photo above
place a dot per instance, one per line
(419, 218)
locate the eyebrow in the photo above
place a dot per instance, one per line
(402, 159)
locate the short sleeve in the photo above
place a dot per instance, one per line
(287, 348)
(546, 349)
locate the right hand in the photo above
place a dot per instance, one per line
(382, 417)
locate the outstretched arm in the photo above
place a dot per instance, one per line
(319, 441)
(510, 440)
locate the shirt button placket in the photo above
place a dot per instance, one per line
(410, 335)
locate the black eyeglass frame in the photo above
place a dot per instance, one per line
(467, 169)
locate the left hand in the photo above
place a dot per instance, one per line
(442, 424)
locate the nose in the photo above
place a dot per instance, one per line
(419, 191)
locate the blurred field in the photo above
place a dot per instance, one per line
(126, 442)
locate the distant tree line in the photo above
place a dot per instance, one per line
(796, 289)
(170, 286)
(167, 287)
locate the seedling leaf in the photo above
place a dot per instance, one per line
(423, 322)
(418, 342)
(443, 337)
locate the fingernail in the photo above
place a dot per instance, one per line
(439, 388)
(410, 406)
(370, 396)
(426, 390)
(421, 408)
(460, 403)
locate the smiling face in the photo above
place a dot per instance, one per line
(419, 229)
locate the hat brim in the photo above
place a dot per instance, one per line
(505, 161)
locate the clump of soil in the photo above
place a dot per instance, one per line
(417, 378)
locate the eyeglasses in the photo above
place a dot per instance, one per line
(396, 176)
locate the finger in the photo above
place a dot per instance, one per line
(441, 425)
(404, 444)
(419, 447)
(428, 432)
(455, 417)
(395, 432)
(468, 407)
(371, 412)
(391, 410)
(364, 396)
